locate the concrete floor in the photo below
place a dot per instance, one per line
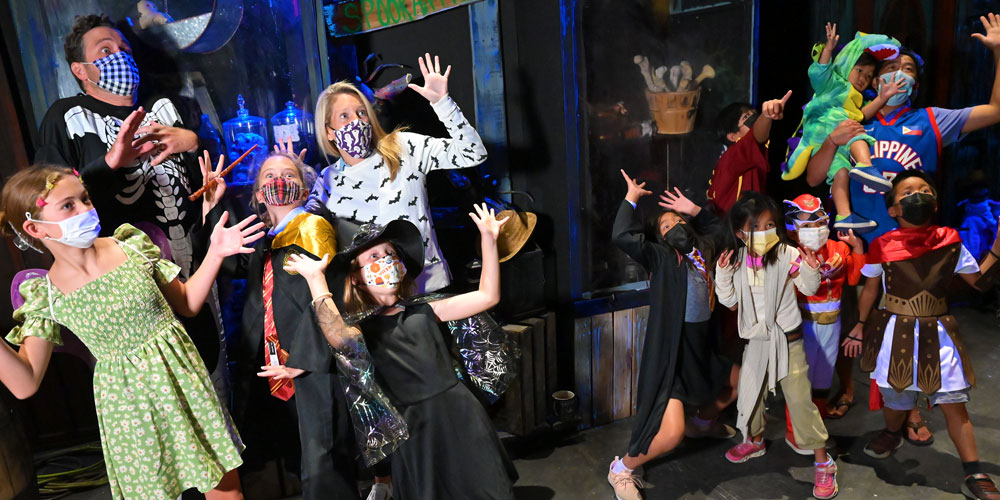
(575, 467)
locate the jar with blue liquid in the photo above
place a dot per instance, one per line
(241, 133)
(296, 124)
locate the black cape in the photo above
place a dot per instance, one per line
(659, 368)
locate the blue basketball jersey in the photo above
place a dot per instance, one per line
(905, 139)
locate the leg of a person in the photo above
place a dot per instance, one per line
(667, 438)
(726, 396)
(839, 190)
(757, 422)
(229, 488)
(861, 153)
(807, 424)
(828, 345)
(960, 430)
(328, 469)
(845, 364)
(896, 406)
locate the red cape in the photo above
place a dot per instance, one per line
(910, 243)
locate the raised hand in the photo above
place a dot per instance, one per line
(435, 83)
(487, 221)
(831, 35)
(306, 267)
(212, 178)
(852, 344)
(677, 202)
(125, 149)
(809, 257)
(635, 190)
(991, 24)
(724, 258)
(893, 87)
(226, 241)
(167, 140)
(851, 239)
(284, 145)
(775, 108)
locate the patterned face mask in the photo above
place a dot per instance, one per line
(385, 272)
(279, 192)
(119, 73)
(355, 139)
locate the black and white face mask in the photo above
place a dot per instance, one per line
(119, 73)
(355, 139)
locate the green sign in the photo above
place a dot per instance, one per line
(350, 17)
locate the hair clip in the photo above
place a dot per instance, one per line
(40, 202)
(76, 173)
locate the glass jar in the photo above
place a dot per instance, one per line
(241, 133)
(298, 125)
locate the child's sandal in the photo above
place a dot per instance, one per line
(916, 430)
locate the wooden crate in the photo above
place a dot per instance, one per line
(525, 404)
(607, 352)
(515, 411)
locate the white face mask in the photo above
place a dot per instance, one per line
(814, 238)
(78, 231)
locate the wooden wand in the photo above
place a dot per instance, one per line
(210, 184)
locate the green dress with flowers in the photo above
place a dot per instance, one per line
(162, 428)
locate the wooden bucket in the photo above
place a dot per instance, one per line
(17, 472)
(674, 112)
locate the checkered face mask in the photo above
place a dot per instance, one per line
(119, 73)
(279, 192)
(355, 139)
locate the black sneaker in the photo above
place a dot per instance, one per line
(980, 486)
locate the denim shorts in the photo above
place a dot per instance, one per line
(907, 400)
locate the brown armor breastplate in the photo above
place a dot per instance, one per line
(916, 293)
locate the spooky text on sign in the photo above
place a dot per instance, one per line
(350, 17)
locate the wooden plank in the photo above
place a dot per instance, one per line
(491, 112)
(551, 355)
(526, 375)
(582, 376)
(538, 367)
(623, 379)
(603, 363)
(639, 324)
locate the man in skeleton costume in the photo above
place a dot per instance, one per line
(136, 162)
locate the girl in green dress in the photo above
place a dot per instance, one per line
(162, 428)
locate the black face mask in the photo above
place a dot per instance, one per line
(918, 208)
(680, 237)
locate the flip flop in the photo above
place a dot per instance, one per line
(916, 426)
(842, 402)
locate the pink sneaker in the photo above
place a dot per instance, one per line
(826, 481)
(745, 451)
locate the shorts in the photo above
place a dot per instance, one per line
(907, 400)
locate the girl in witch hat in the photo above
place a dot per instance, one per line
(453, 451)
